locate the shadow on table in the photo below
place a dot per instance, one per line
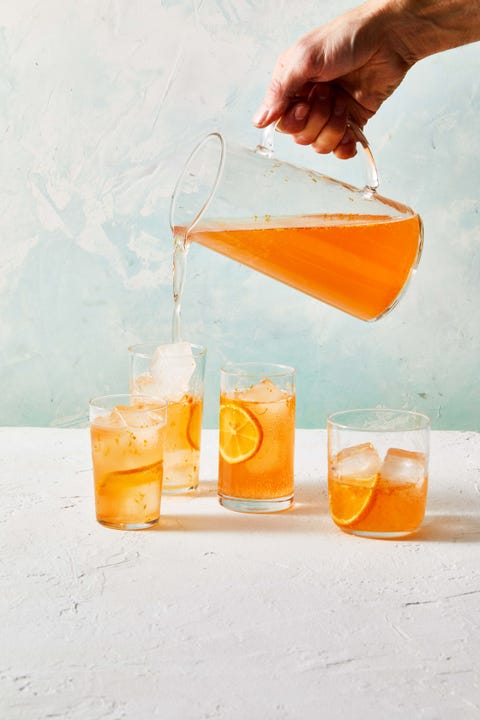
(451, 517)
(311, 503)
(449, 527)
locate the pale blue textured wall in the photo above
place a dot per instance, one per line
(95, 94)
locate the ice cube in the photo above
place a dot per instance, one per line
(135, 418)
(172, 367)
(120, 418)
(140, 428)
(404, 466)
(263, 392)
(359, 462)
(143, 385)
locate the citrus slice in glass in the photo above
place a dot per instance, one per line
(240, 434)
(194, 427)
(350, 501)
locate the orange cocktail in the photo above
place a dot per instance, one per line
(127, 436)
(378, 471)
(358, 263)
(257, 433)
(174, 371)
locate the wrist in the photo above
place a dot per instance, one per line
(425, 27)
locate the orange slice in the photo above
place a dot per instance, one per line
(351, 501)
(240, 434)
(194, 427)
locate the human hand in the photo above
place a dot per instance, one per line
(341, 71)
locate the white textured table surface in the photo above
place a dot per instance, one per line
(221, 615)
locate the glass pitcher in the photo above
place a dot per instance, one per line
(348, 247)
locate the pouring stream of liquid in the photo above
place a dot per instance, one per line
(179, 268)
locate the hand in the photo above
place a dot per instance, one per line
(340, 71)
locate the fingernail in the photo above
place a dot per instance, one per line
(261, 115)
(301, 112)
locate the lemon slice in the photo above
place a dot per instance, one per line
(240, 434)
(351, 501)
(194, 427)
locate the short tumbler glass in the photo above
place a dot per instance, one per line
(167, 371)
(127, 434)
(378, 471)
(257, 436)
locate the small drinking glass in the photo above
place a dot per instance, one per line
(378, 471)
(257, 436)
(127, 434)
(174, 371)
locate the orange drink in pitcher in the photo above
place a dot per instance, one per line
(348, 247)
(357, 263)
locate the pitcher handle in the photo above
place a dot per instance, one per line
(266, 148)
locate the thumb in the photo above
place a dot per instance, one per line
(273, 106)
(278, 99)
(291, 82)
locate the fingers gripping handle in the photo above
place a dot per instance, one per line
(266, 148)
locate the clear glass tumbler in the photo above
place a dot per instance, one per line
(257, 436)
(127, 435)
(378, 471)
(174, 371)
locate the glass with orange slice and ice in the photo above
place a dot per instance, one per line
(175, 372)
(256, 437)
(378, 471)
(127, 436)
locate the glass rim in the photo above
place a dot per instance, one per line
(146, 350)
(248, 369)
(424, 425)
(215, 136)
(152, 401)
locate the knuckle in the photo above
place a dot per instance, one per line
(306, 55)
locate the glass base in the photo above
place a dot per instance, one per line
(128, 526)
(379, 535)
(176, 490)
(248, 505)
